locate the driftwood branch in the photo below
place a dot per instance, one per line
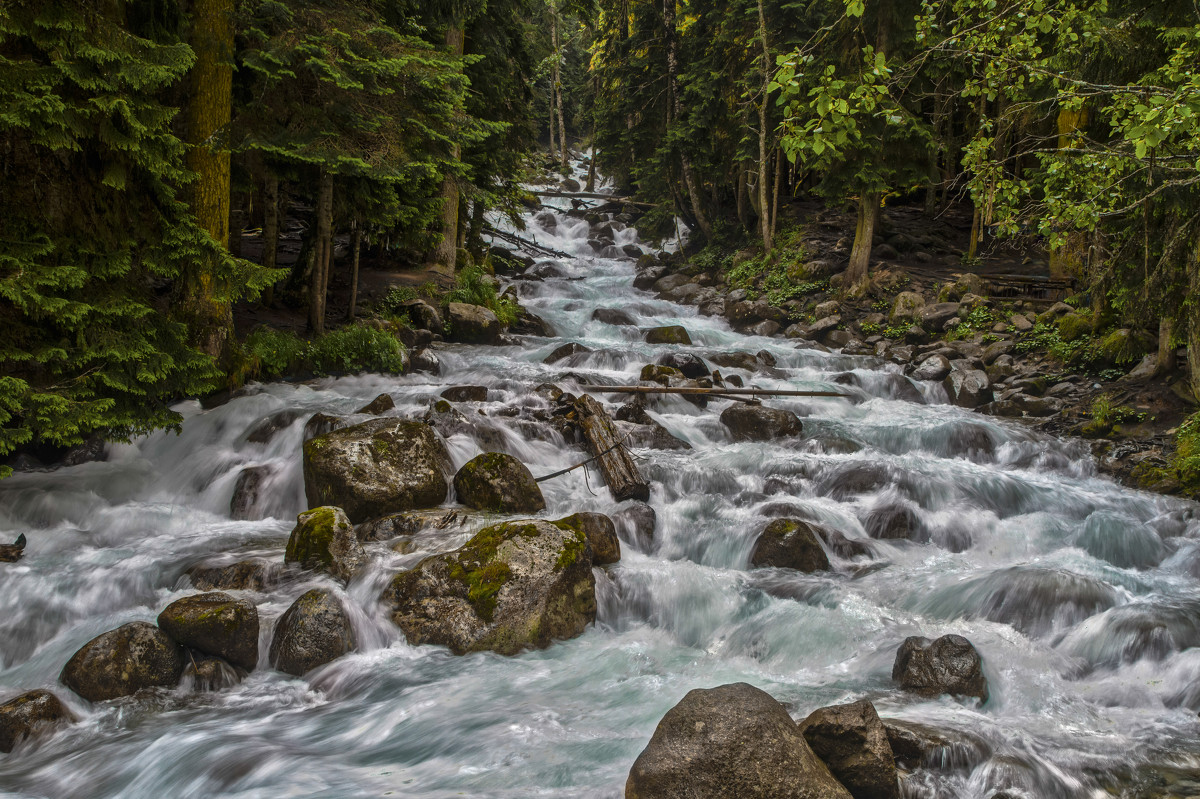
(518, 241)
(717, 391)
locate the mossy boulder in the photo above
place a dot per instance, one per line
(601, 534)
(906, 307)
(498, 482)
(513, 586)
(789, 544)
(760, 423)
(663, 375)
(215, 624)
(378, 467)
(123, 661)
(1122, 347)
(730, 741)
(669, 334)
(312, 632)
(324, 540)
(1074, 326)
(28, 715)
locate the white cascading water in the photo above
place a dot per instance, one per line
(1092, 662)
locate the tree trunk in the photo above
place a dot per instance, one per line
(475, 240)
(591, 178)
(550, 105)
(676, 106)
(1164, 361)
(357, 243)
(864, 235)
(619, 470)
(320, 272)
(764, 214)
(776, 192)
(270, 251)
(446, 254)
(199, 300)
(742, 211)
(562, 124)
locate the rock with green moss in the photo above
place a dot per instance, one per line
(906, 307)
(378, 467)
(663, 375)
(312, 632)
(513, 586)
(1122, 347)
(123, 661)
(497, 482)
(669, 334)
(1074, 326)
(28, 715)
(324, 540)
(215, 624)
(601, 534)
(789, 544)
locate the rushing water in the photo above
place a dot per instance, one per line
(1092, 662)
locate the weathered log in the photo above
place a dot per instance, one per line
(518, 241)
(620, 472)
(717, 391)
(593, 196)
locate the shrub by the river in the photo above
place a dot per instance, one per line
(274, 353)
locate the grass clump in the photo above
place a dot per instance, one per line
(474, 288)
(272, 354)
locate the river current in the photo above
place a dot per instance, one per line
(1080, 595)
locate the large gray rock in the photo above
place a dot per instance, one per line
(324, 540)
(28, 715)
(601, 534)
(934, 317)
(968, 389)
(730, 741)
(566, 351)
(949, 665)
(123, 661)
(935, 367)
(378, 467)
(497, 482)
(613, 316)
(423, 315)
(691, 366)
(906, 307)
(514, 585)
(853, 742)
(312, 632)
(473, 324)
(789, 544)
(215, 624)
(245, 575)
(760, 423)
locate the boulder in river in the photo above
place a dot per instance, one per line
(215, 624)
(266, 429)
(895, 521)
(312, 632)
(638, 520)
(245, 575)
(123, 661)
(378, 467)
(324, 540)
(381, 404)
(613, 316)
(29, 714)
(473, 324)
(670, 334)
(514, 585)
(565, 351)
(852, 741)
(424, 360)
(691, 366)
(948, 665)
(601, 534)
(247, 491)
(968, 388)
(760, 423)
(789, 544)
(498, 482)
(935, 367)
(730, 741)
(466, 394)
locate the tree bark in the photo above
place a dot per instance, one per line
(776, 192)
(446, 255)
(676, 106)
(1164, 361)
(320, 272)
(864, 235)
(270, 251)
(764, 216)
(620, 472)
(357, 244)
(562, 124)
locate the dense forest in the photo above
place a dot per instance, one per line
(154, 151)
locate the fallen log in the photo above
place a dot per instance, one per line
(717, 391)
(587, 195)
(516, 240)
(620, 472)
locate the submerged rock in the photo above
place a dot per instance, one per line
(670, 334)
(123, 661)
(639, 521)
(499, 483)
(613, 316)
(266, 429)
(601, 534)
(378, 467)
(514, 585)
(381, 404)
(208, 673)
(760, 423)
(245, 575)
(466, 394)
(312, 632)
(895, 520)
(324, 540)
(949, 665)
(915, 745)
(215, 624)
(731, 741)
(28, 715)
(565, 351)
(247, 491)
(789, 544)
(853, 742)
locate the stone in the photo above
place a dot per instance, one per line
(381, 404)
(499, 483)
(601, 534)
(670, 334)
(378, 467)
(266, 429)
(209, 673)
(968, 388)
(423, 315)
(215, 624)
(425, 361)
(934, 317)
(245, 575)
(789, 544)
(638, 520)
(730, 741)
(663, 375)
(671, 282)
(466, 394)
(312, 632)
(918, 745)
(824, 325)
(765, 328)
(121, 662)
(1020, 323)
(852, 741)
(906, 307)
(735, 360)
(895, 521)
(323, 540)
(827, 308)
(321, 423)
(472, 324)
(512, 586)
(760, 423)
(613, 316)
(28, 715)
(689, 365)
(948, 665)
(247, 491)
(565, 351)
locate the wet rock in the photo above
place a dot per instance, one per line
(935, 367)
(893, 521)
(425, 361)
(215, 624)
(1148, 629)
(650, 435)
(379, 467)
(312, 632)
(646, 278)
(691, 366)
(92, 450)
(760, 423)
(671, 282)
(906, 307)
(569, 185)
(613, 316)
(547, 220)
(1036, 601)
(472, 324)
(853, 743)
(969, 440)
(639, 521)
(735, 360)
(601, 534)
(267, 428)
(918, 745)
(423, 315)
(245, 575)
(789, 544)
(565, 351)
(854, 479)
(29, 715)
(247, 491)
(1121, 541)
(324, 540)
(412, 522)
(514, 585)
(466, 394)
(730, 741)
(381, 404)
(321, 423)
(843, 547)
(968, 389)
(670, 334)
(663, 375)
(210, 673)
(948, 665)
(122, 662)
(934, 317)
(498, 483)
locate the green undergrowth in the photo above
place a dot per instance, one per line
(390, 305)
(1105, 415)
(1097, 355)
(271, 354)
(474, 288)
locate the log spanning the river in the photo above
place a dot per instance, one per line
(518, 241)
(620, 472)
(718, 391)
(587, 195)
